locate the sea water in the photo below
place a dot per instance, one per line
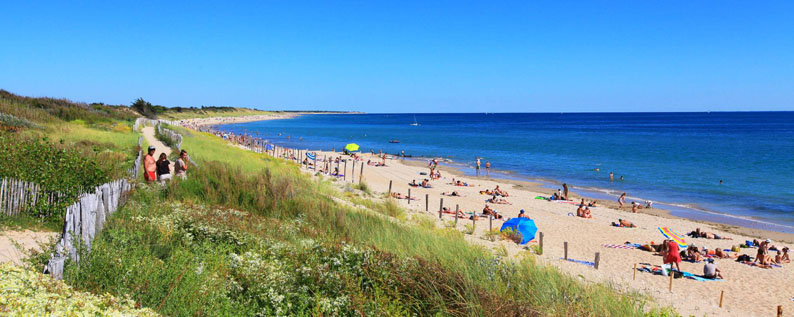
(674, 158)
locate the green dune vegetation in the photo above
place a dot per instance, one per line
(247, 234)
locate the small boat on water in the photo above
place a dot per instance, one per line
(394, 141)
(416, 124)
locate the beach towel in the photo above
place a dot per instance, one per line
(542, 198)
(700, 278)
(580, 262)
(452, 213)
(619, 246)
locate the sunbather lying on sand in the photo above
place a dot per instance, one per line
(453, 193)
(708, 235)
(487, 192)
(723, 255)
(490, 212)
(459, 183)
(497, 200)
(499, 192)
(400, 196)
(459, 213)
(623, 223)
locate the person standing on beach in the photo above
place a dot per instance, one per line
(149, 165)
(478, 166)
(621, 200)
(565, 191)
(487, 169)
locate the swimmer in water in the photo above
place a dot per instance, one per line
(611, 176)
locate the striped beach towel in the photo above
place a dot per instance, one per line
(619, 246)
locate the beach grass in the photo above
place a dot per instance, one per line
(284, 206)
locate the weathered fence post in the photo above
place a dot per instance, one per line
(361, 173)
(541, 244)
(441, 207)
(565, 246)
(427, 202)
(409, 190)
(409, 194)
(597, 260)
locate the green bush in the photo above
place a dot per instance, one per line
(58, 168)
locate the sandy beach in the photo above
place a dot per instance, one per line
(749, 291)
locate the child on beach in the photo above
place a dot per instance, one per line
(621, 200)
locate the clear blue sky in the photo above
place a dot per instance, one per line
(428, 56)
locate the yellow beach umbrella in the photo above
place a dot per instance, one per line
(352, 147)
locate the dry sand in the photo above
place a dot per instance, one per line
(10, 240)
(748, 290)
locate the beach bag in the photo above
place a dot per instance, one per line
(735, 248)
(743, 258)
(677, 274)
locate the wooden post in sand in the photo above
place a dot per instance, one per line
(540, 242)
(456, 216)
(409, 195)
(353, 173)
(672, 274)
(390, 189)
(472, 220)
(565, 246)
(597, 260)
(779, 310)
(490, 224)
(722, 295)
(635, 272)
(440, 207)
(427, 202)
(344, 176)
(361, 174)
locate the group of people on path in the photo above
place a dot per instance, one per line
(160, 169)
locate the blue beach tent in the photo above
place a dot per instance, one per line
(525, 226)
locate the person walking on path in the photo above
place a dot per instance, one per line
(149, 165)
(180, 167)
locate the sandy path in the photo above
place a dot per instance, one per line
(148, 134)
(749, 291)
(25, 239)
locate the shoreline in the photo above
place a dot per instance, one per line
(537, 185)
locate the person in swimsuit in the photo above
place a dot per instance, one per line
(149, 165)
(565, 191)
(621, 200)
(522, 214)
(611, 176)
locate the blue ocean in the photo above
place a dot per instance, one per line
(675, 159)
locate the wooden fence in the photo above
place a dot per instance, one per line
(84, 220)
(16, 195)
